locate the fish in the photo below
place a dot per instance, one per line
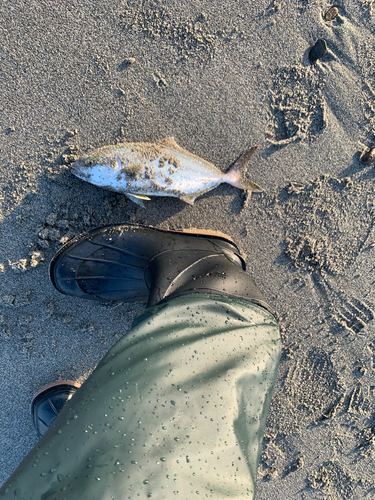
(141, 169)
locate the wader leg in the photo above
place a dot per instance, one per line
(176, 408)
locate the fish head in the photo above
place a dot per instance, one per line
(93, 167)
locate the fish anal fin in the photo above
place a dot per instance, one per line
(188, 198)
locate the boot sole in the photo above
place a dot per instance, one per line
(203, 232)
(80, 282)
(55, 384)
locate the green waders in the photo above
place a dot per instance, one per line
(176, 409)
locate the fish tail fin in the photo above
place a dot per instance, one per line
(236, 175)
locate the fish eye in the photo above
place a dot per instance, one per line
(89, 161)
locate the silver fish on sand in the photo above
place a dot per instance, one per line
(140, 170)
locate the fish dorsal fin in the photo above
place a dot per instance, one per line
(169, 142)
(189, 198)
(137, 198)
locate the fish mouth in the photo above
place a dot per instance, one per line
(74, 170)
(82, 171)
(77, 167)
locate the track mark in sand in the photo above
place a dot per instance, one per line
(272, 460)
(353, 401)
(330, 224)
(350, 314)
(326, 216)
(333, 479)
(297, 108)
(312, 385)
(192, 38)
(28, 342)
(368, 89)
(368, 8)
(353, 315)
(366, 437)
(302, 6)
(296, 464)
(371, 349)
(332, 410)
(357, 402)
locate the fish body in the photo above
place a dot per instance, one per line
(140, 170)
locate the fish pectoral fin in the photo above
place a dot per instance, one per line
(169, 142)
(141, 196)
(118, 161)
(137, 198)
(189, 199)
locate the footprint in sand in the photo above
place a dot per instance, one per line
(333, 480)
(297, 108)
(366, 439)
(311, 391)
(340, 88)
(330, 225)
(311, 385)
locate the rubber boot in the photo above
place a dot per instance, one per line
(128, 263)
(49, 401)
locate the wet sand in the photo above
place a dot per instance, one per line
(219, 78)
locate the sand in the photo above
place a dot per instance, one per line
(219, 77)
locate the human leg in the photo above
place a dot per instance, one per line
(178, 405)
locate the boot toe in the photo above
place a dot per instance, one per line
(92, 266)
(48, 403)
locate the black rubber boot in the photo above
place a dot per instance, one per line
(128, 263)
(49, 401)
